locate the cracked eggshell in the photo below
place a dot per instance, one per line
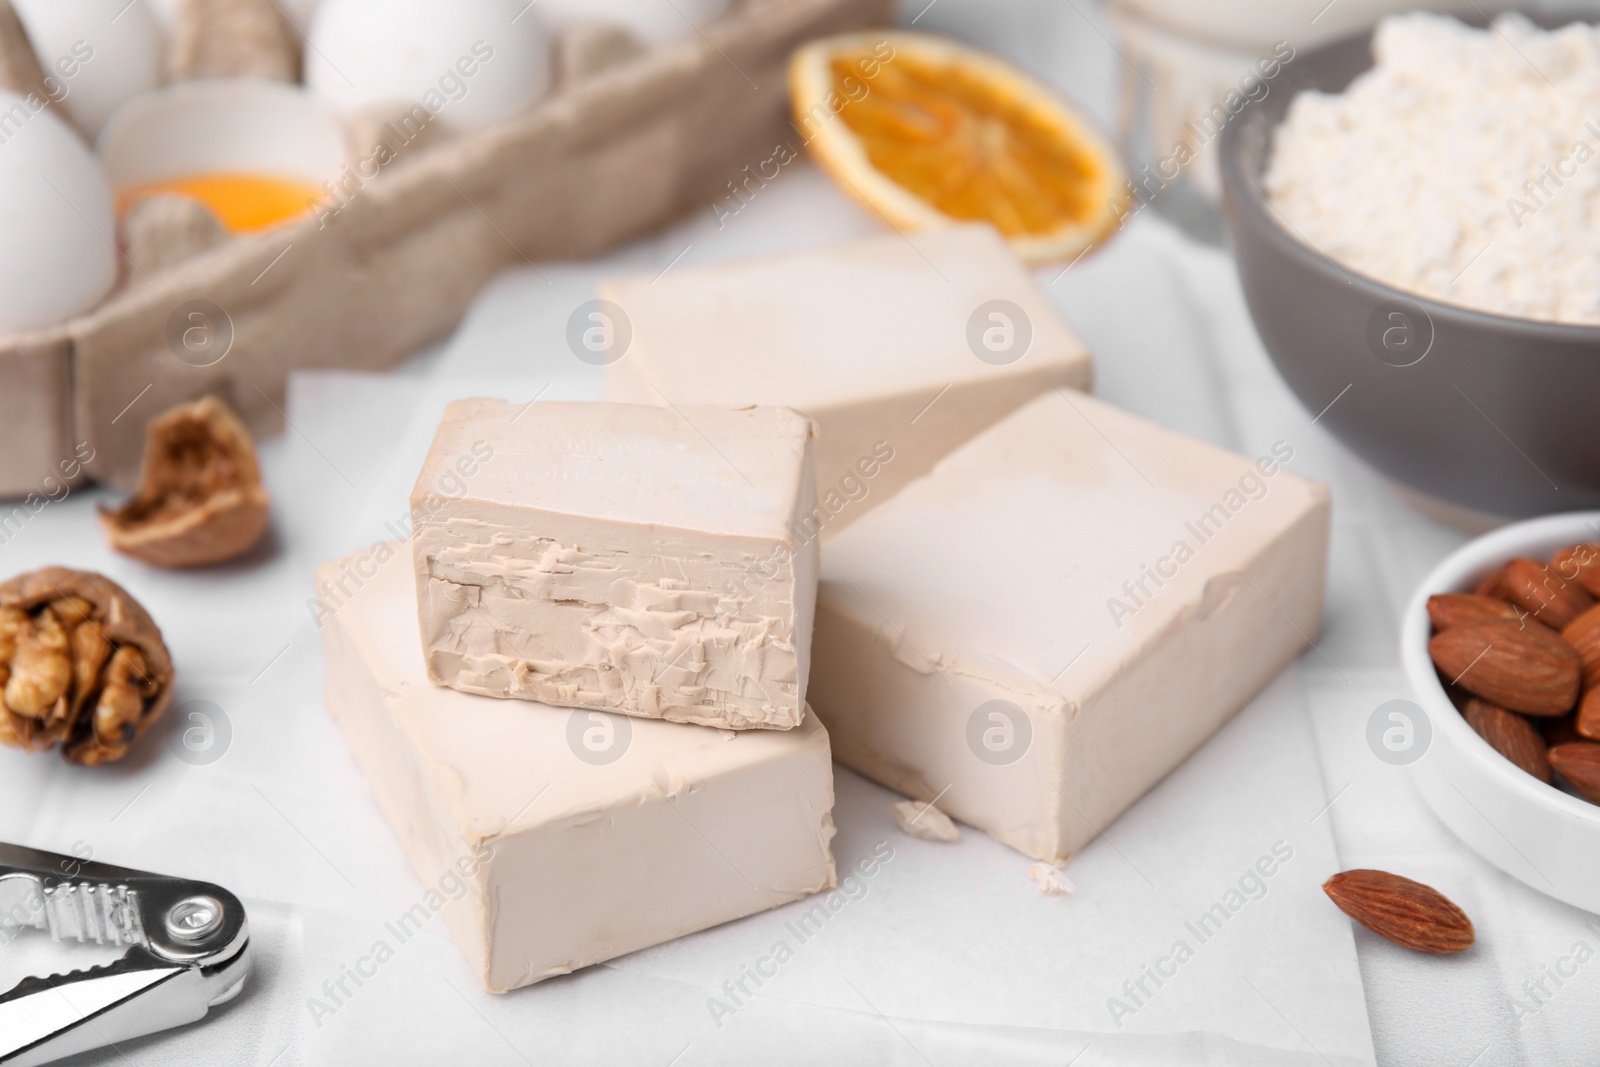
(98, 52)
(223, 125)
(57, 223)
(651, 21)
(471, 63)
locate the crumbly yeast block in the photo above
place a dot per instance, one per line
(581, 836)
(622, 557)
(1066, 608)
(901, 348)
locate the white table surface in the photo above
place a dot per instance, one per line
(285, 820)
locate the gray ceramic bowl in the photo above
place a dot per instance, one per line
(1486, 413)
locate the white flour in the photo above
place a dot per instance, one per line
(1465, 166)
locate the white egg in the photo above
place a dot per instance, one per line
(471, 63)
(652, 21)
(57, 221)
(97, 52)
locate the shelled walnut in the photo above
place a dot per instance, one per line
(82, 666)
(200, 499)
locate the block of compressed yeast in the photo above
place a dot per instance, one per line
(581, 835)
(900, 348)
(622, 557)
(1060, 613)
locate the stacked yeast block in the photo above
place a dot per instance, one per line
(612, 556)
(900, 349)
(1061, 612)
(581, 836)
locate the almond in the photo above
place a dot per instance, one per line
(1581, 564)
(1583, 634)
(1458, 609)
(1492, 585)
(1408, 913)
(1579, 763)
(1552, 600)
(1511, 735)
(1586, 723)
(1524, 669)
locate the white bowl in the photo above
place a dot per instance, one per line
(1536, 833)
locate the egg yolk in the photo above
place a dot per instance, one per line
(243, 203)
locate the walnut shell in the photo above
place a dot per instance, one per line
(200, 499)
(82, 666)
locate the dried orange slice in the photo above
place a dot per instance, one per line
(927, 132)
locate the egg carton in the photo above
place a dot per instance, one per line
(604, 158)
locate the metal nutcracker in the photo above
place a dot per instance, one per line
(188, 950)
